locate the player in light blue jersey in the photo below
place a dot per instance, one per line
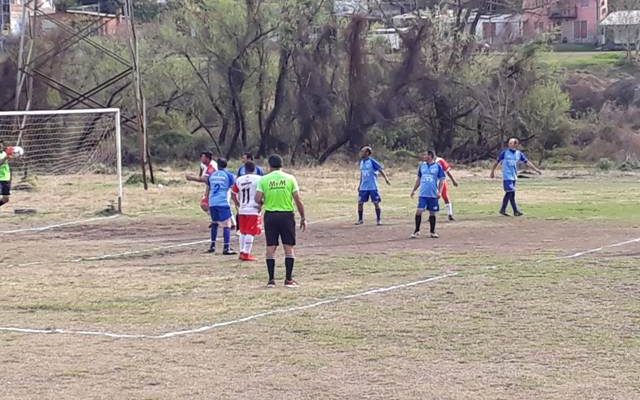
(510, 158)
(368, 187)
(220, 184)
(430, 181)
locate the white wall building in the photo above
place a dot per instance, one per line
(499, 29)
(11, 14)
(622, 28)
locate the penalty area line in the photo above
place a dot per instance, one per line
(217, 325)
(49, 227)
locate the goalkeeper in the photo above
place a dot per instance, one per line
(5, 173)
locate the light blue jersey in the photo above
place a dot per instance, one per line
(430, 175)
(220, 183)
(510, 159)
(369, 168)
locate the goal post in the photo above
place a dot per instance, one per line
(63, 145)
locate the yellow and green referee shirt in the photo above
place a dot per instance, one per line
(278, 188)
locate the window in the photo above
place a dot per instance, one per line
(580, 30)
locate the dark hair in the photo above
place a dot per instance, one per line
(249, 167)
(222, 163)
(432, 153)
(248, 155)
(207, 153)
(367, 149)
(275, 161)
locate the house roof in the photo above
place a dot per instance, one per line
(498, 18)
(622, 18)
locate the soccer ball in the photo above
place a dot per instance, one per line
(15, 151)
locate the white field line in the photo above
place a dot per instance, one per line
(255, 316)
(597, 249)
(229, 322)
(48, 227)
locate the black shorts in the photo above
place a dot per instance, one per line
(280, 225)
(5, 188)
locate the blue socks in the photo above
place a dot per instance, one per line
(214, 234)
(226, 233)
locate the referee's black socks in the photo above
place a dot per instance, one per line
(271, 268)
(418, 222)
(288, 264)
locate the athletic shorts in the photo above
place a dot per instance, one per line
(445, 192)
(220, 214)
(509, 186)
(279, 225)
(429, 203)
(5, 188)
(364, 195)
(250, 224)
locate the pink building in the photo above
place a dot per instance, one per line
(571, 21)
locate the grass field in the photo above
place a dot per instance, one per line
(539, 307)
(595, 60)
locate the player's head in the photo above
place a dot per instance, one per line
(222, 163)
(247, 156)
(429, 156)
(513, 143)
(249, 167)
(365, 151)
(206, 157)
(275, 162)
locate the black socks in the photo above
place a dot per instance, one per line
(271, 268)
(432, 223)
(288, 264)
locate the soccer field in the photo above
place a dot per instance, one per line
(545, 306)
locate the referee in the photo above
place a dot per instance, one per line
(277, 191)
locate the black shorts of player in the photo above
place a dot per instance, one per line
(280, 225)
(5, 188)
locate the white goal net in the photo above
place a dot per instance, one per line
(71, 158)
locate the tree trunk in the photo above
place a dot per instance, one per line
(266, 140)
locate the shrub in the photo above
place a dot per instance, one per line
(605, 164)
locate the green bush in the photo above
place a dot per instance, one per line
(605, 164)
(629, 165)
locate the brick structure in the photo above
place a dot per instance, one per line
(572, 21)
